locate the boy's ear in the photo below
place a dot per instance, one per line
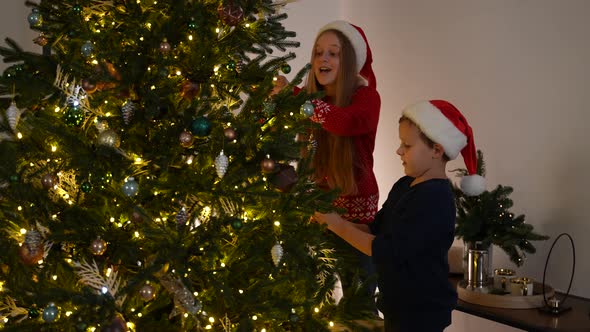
(439, 151)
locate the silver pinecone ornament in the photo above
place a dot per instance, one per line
(221, 163)
(277, 254)
(181, 217)
(127, 110)
(13, 115)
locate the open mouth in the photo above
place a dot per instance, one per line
(324, 70)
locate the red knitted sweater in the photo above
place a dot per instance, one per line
(360, 120)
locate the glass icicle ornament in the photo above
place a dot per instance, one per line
(221, 163)
(127, 111)
(277, 254)
(13, 115)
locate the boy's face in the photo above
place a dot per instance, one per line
(419, 160)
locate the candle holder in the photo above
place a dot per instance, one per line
(553, 305)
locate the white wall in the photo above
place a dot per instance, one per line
(518, 69)
(14, 24)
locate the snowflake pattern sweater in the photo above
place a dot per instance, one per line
(359, 120)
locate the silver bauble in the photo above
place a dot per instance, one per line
(147, 292)
(109, 137)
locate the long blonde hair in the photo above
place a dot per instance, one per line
(335, 162)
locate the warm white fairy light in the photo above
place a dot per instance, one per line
(40, 262)
(211, 319)
(190, 37)
(136, 234)
(208, 327)
(240, 291)
(277, 223)
(331, 324)
(316, 309)
(22, 230)
(19, 135)
(222, 264)
(254, 317)
(178, 73)
(217, 30)
(54, 277)
(247, 25)
(139, 314)
(68, 313)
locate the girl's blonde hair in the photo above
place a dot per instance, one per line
(335, 162)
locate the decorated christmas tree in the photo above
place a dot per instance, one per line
(148, 181)
(487, 219)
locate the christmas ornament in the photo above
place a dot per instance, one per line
(98, 247)
(183, 298)
(118, 324)
(86, 187)
(239, 65)
(201, 126)
(230, 13)
(293, 317)
(49, 180)
(127, 111)
(269, 108)
(41, 40)
(186, 139)
(285, 178)
(231, 65)
(164, 46)
(33, 312)
(268, 165)
(89, 86)
(307, 108)
(192, 24)
(74, 114)
(286, 68)
(130, 187)
(35, 19)
(189, 90)
(108, 138)
(230, 133)
(137, 215)
(13, 115)
(31, 251)
(221, 163)
(147, 292)
(237, 223)
(77, 9)
(87, 49)
(50, 313)
(181, 217)
(277, 254)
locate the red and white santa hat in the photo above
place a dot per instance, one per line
(442, 122)
(359, 42)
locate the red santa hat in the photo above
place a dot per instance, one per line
(442, 122)
(359, 42)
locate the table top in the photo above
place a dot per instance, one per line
(575, 319)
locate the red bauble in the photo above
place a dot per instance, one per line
(285, 178)
(230, 133)
(230, 13)
(189, 90)
(89, 86)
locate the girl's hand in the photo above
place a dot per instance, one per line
(327, 218)
(279, 84)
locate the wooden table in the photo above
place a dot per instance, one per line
(577, 319)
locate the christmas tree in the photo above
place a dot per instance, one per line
(148, 180)
(487, 219)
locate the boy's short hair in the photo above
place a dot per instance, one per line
(423, 136)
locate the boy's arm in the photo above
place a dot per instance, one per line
(357, 235)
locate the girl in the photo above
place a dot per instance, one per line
(349, 113)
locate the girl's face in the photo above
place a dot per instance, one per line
(326, 61)
(417, 157)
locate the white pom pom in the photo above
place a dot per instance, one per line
(473, 185)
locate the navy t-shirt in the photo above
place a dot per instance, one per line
(414, 230)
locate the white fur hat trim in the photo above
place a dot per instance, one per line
(355, 38)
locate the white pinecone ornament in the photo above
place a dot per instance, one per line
(221, 163)
(127, 110)
(277, 253)
(13, 115)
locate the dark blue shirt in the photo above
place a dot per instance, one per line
(414, 230)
